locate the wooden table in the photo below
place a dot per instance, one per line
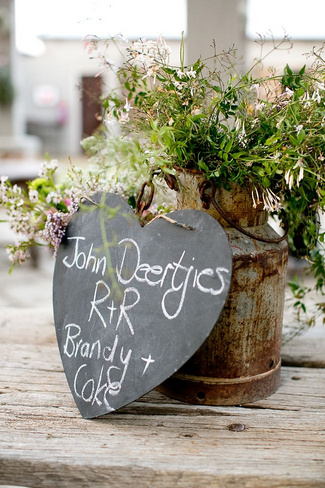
(155, 441)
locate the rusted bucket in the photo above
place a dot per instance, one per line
(240, 360)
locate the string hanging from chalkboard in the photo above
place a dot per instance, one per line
(172, 221)
(88, 199)
(142, 205)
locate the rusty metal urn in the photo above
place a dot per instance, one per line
(240, 360)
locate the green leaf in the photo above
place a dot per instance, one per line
(229, 146)
(238, 155)
(202, 165)
(169, 171)
(271, 140)
(299, 93)
(302, 71)
(287, 70)
(301, 136)
(170, 71)
(196, 64)
(197, 117)
(293, 140)
(266, 181)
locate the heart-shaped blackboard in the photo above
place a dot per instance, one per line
(133, 304)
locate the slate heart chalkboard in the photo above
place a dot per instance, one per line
(133, 304)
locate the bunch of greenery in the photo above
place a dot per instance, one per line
(267, 132)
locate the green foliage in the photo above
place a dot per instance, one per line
(268, 132)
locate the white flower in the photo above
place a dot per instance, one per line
(123, 117)
(242, 137)
(151, 71)
(299, 165)
(271, 201)
(33, 196)
(279, 124)
(180, 74)
(127, 106)
(288, 92)
(178, 85)
(16, 189)
(3, 179)
(54, 197)
(306, 99)
(48, 168)
(299, 128)
(288, 176)
(316, 96)
(148, 52)
(108, 121)
(290, 182)
(320, 86)
(16, 255)
(259, 106)
(191, 73)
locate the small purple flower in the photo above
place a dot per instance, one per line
(55, 226)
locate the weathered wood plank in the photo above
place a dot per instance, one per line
(66, 447)
(26, 326)
(156, 441)
(305, 352)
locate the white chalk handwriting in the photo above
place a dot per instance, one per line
(175, 279)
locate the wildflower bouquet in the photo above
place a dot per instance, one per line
(264, 133)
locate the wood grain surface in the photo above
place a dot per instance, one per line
(155, 441)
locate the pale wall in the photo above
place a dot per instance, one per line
(63, 64)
